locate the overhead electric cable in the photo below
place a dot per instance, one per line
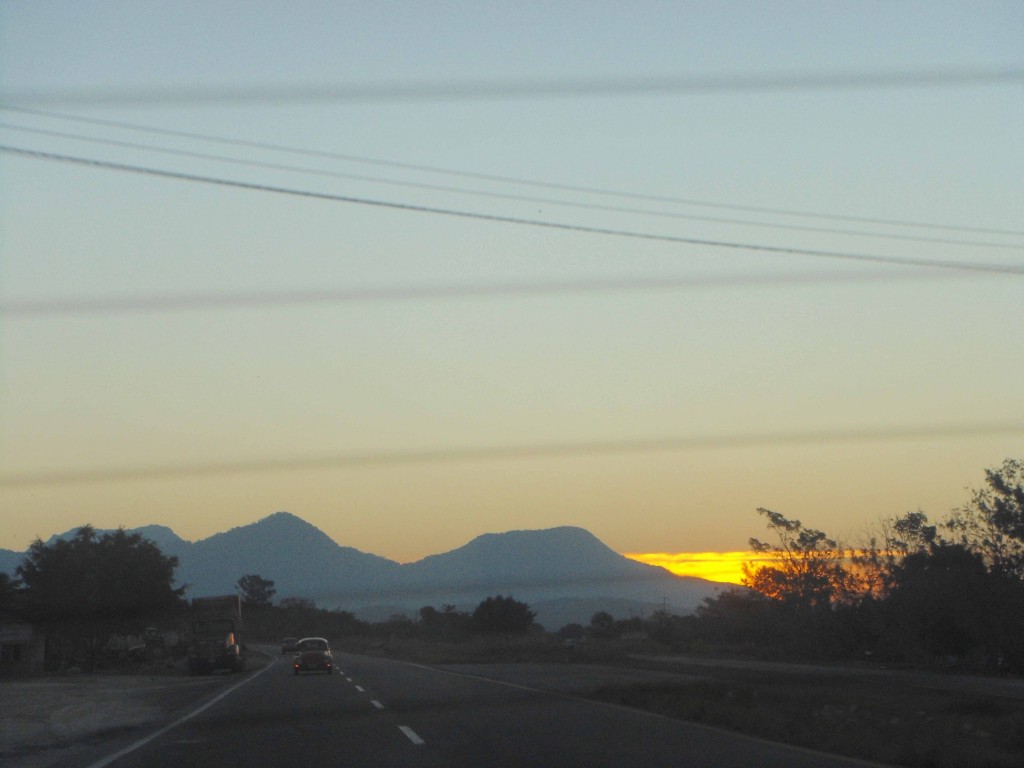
(153, 304)
(507, 452)
(502, 195)
(503, 89)
(227, 141)
(1014, 269)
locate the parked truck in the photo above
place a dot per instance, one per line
(213, 633)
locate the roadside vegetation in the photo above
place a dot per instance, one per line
(948, 594)
(896, 720)
(92, 595)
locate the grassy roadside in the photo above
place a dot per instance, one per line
(873, 719)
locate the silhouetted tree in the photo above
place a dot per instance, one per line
(88, 587)
(572, 631)
(297, 617)
(296, 604)
(602, 626)
(503, 615)
(807, 567)
(668, 629)
(992, 523)
(740, 619)
(909, 593)
(397, 626)
(256, 591)
(429, 615)
(10, 598)
(941, 604)
(875, 564)
(446, 624)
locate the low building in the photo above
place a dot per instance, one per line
(22, 647)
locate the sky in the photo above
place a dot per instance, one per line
(417, 272)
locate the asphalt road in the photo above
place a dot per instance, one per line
(375, 712)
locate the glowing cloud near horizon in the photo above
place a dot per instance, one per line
(715, 566)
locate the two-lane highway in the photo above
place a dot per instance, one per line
(377, 712)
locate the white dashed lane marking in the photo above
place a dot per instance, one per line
(411, 734)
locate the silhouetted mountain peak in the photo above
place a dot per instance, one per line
(550, 544)
(297, 556)
(169, 542)
(540, 555)
(282, 526)
(165, 538)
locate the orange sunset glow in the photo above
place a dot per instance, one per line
(714, 566)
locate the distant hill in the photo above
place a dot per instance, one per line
(169, 542)
(302, 560)
(569, 569)
(566, 574)
(10, 560)
(536, 558)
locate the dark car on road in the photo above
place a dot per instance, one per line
(289, 645)
(313, 655)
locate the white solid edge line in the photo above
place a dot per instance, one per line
(411, 734)
(142, 742)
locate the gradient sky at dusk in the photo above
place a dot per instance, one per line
(201, 356)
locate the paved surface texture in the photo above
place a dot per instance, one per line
(374, 711)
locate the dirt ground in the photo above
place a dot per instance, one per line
(51, 719)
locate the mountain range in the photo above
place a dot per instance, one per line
(566, 574)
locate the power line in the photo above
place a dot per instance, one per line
(320, 154)
(1012, 269)
(507, 453)
(262, 299)
(501, 195)
(505, 89)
